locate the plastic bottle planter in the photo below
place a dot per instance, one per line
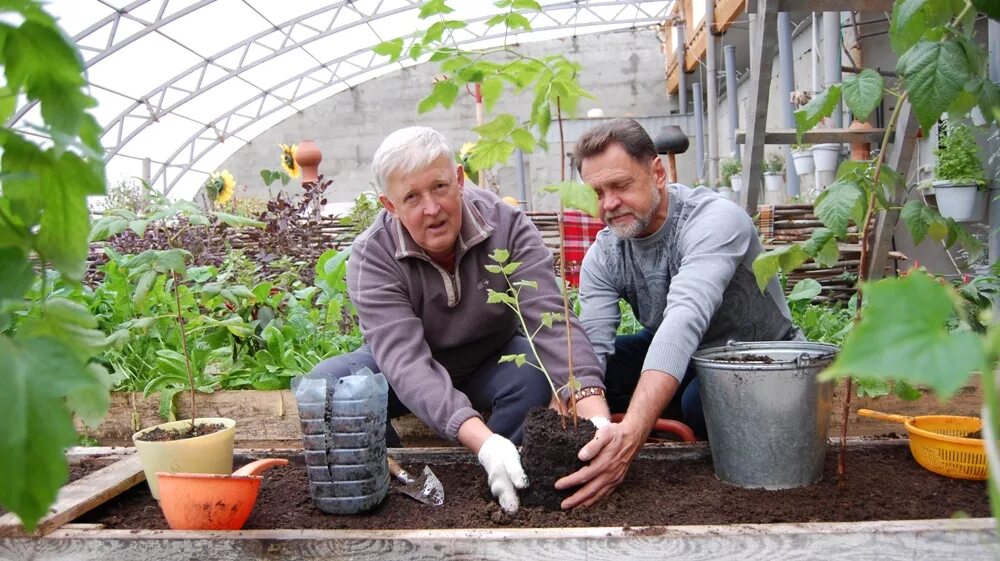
(343, 432)
(963, 202)
(803, 159)
(826, 156)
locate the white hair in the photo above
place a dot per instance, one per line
(408, 150)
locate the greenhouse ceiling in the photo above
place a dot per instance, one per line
(183, 84)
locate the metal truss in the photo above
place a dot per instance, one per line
(294, 34)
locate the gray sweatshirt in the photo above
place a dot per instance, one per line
(429, 329)
(691, 282)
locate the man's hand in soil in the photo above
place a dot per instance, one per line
(610, 453)
(503, 467)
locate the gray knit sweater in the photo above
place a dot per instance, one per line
(429, 329)
(691, 282)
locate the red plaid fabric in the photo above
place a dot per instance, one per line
(581, 230)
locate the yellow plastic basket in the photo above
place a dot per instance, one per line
(939, 443)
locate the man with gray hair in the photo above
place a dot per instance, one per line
(419, 282)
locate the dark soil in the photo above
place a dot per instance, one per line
(883, 483)
(750, 358)
(549, 452)
(160, 435)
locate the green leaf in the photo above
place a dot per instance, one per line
(910, 18)
(433, 8)
(820, 106)
(767, 264)
(107, 226)
(934, 73)
(805, 289)
(491, 89)
(236, 221)
(904, 390)
(904, 335)
(489, 153)
(515, 21)
(500, 256)
(523, 139)
(500, 127)
(527, 5)
(494, 297)
(575, 195)
(525, 283)
(510, 268)
(822, 247)
(443, 94)
(17, 274)
(989, 101)
(39, 374)
(496, 20)
(8, 102)
(839, 204)
(549, 317)
(918, 219)
(392, 49)
(863, 93)
(91, 402)
(969, 243)
(495, 269)
(170, 260)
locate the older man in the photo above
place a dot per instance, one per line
(419, 282)
(682, 258)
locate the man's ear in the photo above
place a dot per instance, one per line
(460, 176)
(386, 203)
(659, 172)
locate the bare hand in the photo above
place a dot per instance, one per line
(610, 454)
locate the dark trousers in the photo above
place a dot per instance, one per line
(622, 377)
(506, 390)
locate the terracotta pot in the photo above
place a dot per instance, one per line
(860, 151)
(308, 156)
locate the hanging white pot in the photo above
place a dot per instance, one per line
(727, 192)
(737, 182)
(803, 159)
(774, 181)
(826, 156)
(963, 202)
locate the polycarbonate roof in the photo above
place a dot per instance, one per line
(185, 83)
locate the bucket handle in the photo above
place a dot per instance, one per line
(883, 416)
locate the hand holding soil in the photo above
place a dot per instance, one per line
(610, 454)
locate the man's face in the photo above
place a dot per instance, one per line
(428, 202)
(628, 192)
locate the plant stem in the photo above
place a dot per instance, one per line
(534, 351)
(562, 270)
(866, 230)
(45, 283)
(187, 359)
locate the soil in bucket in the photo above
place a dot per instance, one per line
(160, 435)
(548, 453)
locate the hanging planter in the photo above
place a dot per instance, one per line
(963, 202)
(727, 192)
(826, 156)
(960, 187)
(737, 182)
(803, 159)
(774, 181)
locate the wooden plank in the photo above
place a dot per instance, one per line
(920, 540)
(818, 136)
(900, 158)
(82, 495)
(763, 50)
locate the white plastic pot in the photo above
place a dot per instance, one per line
(737, 182)
(963, 202)
(803, 159)
(727, 193)
(826, 156)
(774, 182)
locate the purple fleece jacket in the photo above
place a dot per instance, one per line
(429, 329)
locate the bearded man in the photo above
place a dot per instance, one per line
(682, 258)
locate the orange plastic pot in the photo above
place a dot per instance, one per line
(205, 501)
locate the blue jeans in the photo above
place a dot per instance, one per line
(506, 390)
(622, 377)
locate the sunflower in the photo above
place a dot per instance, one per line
(288, 162)
(220, 187)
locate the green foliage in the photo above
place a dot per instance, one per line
(271, 175)
(576, 195)
(551, 81)
(46, 342)
(773, 163)
(863, 93)
(958, 158)
(820, 106)
(366, 208)
(729, 167)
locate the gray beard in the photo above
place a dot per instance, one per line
(639, 225)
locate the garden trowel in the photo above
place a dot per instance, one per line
(427, 488)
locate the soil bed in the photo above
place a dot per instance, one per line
(884, 483)
(79, 471)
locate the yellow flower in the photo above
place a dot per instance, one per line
(220, 187)
(288, 162)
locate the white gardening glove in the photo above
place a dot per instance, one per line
(503, 467)
(599, 422)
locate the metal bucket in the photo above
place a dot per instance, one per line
(767, 419)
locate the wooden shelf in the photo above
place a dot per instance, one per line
(817, 136)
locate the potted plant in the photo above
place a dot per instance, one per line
(802, 155)
(826, 156)
(731, 170)
(960, 179)
(773, 168)
(195, 445)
